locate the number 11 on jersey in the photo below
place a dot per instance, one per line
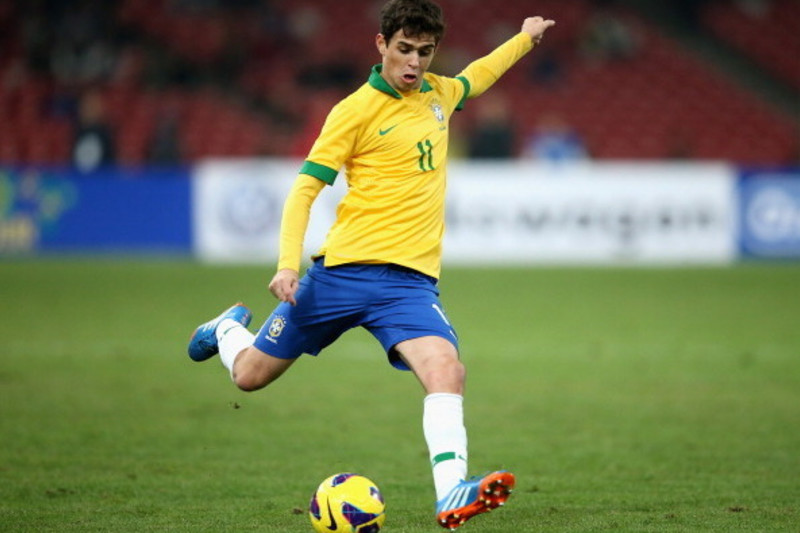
(425, 155)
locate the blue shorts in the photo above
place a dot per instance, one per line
(393, 303)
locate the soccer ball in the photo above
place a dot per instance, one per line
(347, 503)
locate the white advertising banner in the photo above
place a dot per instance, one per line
(501, 213)
(237, 207)
(591, 213)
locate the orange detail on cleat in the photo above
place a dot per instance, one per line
(496, 487)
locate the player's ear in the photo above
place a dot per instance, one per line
(381, 44)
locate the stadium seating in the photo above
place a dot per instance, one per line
(767, 32)
(261, 74)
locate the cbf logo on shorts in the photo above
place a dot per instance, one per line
(276, 326)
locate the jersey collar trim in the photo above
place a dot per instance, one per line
(377, 82)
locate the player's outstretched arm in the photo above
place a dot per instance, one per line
(536, 26)
(484, 72)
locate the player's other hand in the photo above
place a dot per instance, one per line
(536, 26)
(284, 284)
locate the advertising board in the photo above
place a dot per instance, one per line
(503, 213)
(770, 214)
(238, 207)
(602, 213)
(127, 211)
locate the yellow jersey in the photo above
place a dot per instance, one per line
(393, 148)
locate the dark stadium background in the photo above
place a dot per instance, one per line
(716, 79)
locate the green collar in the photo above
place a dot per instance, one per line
(377, 82)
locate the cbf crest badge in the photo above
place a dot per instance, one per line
(276, 326)
(436, 107)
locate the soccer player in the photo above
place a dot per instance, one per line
(380, 263)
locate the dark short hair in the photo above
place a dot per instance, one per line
(414, 17)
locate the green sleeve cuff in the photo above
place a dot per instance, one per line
(467, 89)
(321, 172)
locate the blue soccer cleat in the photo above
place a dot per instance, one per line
(474, 496)
(203, 342)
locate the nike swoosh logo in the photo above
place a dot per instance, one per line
(384, 132)
(332, 527)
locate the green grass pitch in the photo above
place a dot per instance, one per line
(624, 400)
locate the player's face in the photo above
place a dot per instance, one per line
(405, 59)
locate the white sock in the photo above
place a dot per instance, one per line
(443, 425)
(232, 338)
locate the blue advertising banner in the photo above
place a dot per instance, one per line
(128, 211)
(770, 214)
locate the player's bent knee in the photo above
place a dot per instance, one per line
(447, 375)
(453, 371)
(459, 371)
(255, 370)
(249, 382)
(252, 377)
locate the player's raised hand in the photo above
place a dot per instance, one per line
(536, 26)
(284, 285)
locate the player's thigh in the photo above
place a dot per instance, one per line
(408, 310)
